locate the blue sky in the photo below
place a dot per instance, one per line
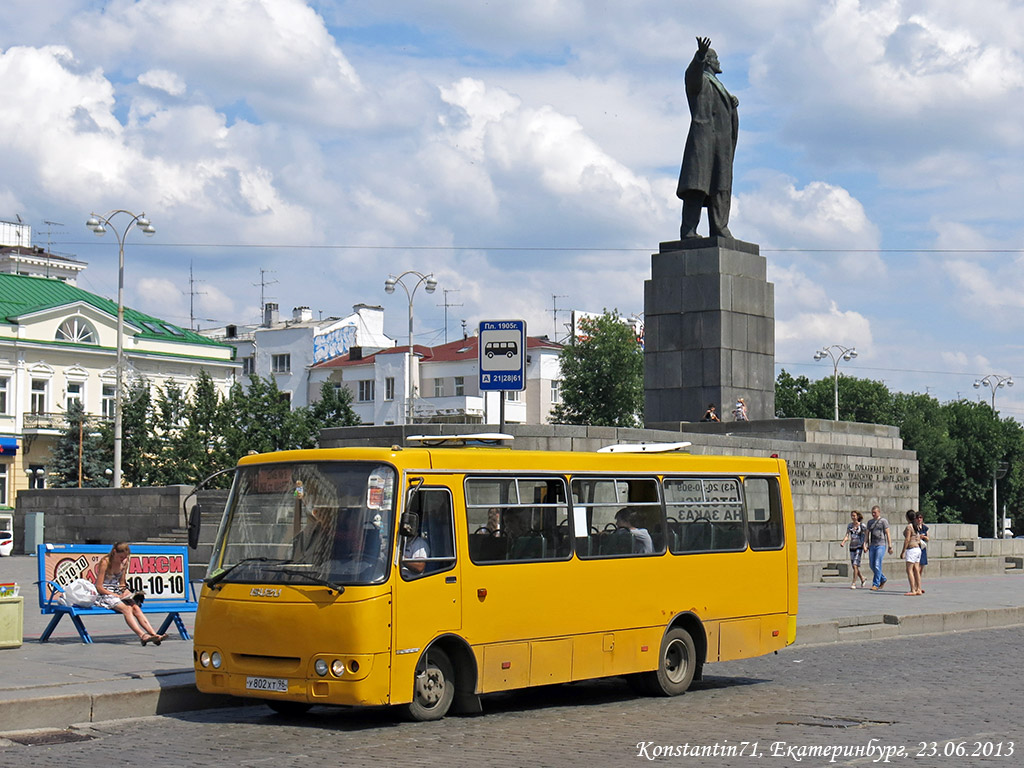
(527, 150)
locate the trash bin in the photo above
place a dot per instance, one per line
(12, 612)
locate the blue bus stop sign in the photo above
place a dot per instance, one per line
(502, 355)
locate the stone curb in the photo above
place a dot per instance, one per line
(870, 627)
(57, 707)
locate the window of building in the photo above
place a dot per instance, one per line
(704, 514)
(3, 484)
(4, 383)
(438, 387)
(522, 518)
(37, 397)
(460, 386)
(366, 390)
(617, 516)
(74, 394)
(389, 388)
(513, 396)
(556, 391)
(108, 401)
(248, 365)
(77, 330)
(281, 363)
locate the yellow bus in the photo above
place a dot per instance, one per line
(426, 576)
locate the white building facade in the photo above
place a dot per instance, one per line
(58, 343)
(287, 350)
(446, 385)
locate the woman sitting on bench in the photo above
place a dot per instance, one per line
(111, 577)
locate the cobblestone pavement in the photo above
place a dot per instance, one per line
(944, 700)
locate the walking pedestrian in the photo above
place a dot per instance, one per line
(912, 553)
(855, 533)
(878, 542)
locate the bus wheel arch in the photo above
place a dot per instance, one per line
(692, 624)
(680, 659)
(445, 678)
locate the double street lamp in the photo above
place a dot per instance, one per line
(838, 354)
(994, 382)
(99, 224)
(429, 285)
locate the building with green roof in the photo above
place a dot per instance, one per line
(58, 343)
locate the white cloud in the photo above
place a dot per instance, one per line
(163, 80)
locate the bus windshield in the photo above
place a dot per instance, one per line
(324, 523)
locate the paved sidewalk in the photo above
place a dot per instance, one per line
(64, 681)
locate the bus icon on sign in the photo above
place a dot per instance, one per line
(508, 348)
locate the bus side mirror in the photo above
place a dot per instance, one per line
(194, 522)
(409, 524)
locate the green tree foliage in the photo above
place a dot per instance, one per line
(81, 444)
(602, 375)
(139, 442)
(183, 435)
(959, 444)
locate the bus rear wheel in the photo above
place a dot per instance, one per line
(433, 687)
(677, 664)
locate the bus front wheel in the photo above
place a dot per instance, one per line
(433, 687)
(676, 666)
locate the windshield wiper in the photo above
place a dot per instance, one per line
(315, 579)
(219, 577)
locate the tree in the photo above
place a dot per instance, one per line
(79, 445)
(139, 444)
(602, 375)
(791, 396)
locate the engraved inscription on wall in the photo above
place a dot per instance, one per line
(849, 476)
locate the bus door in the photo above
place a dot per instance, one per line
(427, 591)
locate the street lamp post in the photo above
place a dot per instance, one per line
(429, 285)
(837, 353)
(98, 224)
(994, 382)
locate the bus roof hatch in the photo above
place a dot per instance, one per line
(644, 447)
(478, 438)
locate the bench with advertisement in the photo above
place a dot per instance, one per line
(161, 572)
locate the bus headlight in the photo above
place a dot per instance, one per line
(216, 660)
(204, 659)
(337, 667)
(321, 667)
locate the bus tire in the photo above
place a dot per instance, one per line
(433, 687)
(676, 665)
(288, 708)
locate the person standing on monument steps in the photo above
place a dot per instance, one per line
(705, 179)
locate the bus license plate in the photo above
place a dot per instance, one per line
(267, 684)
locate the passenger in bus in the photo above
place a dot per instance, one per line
(642, 542)
(111, 583)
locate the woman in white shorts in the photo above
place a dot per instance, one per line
(912, 553)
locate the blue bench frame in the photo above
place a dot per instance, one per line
(49, 590)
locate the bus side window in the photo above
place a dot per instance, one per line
(432, 548)
(764, 512)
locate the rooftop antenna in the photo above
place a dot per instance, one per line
(263, 283)
(192, 299)
(446, 305)
(49, 232)
(554, 312)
